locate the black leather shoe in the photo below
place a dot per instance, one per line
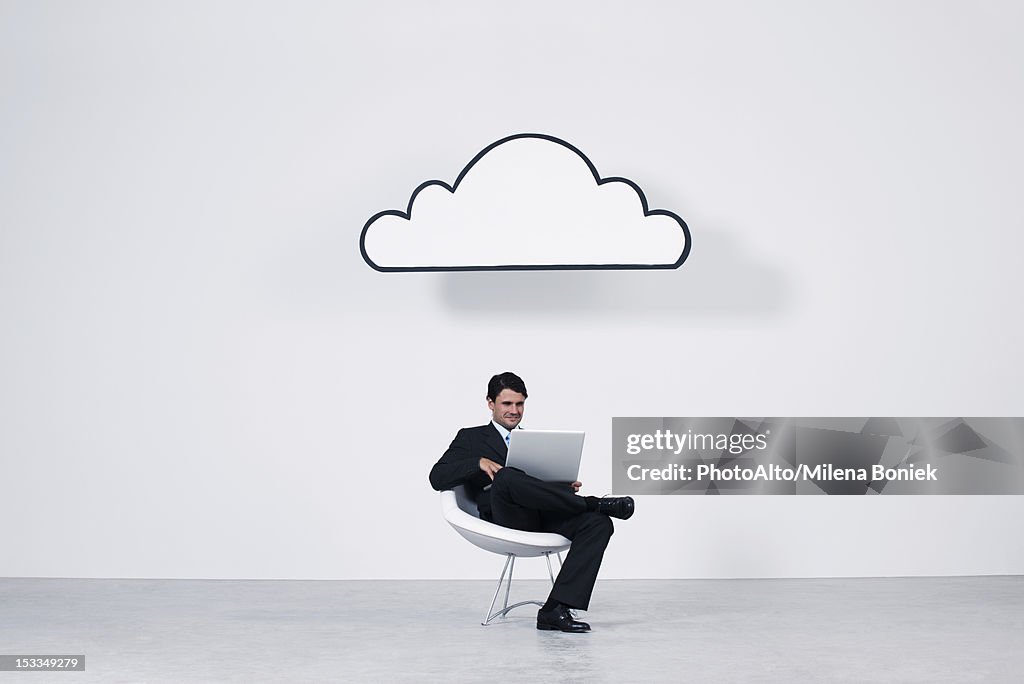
(616, 506)
(560, 618)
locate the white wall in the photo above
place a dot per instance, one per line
(199, 377)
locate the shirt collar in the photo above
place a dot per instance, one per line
(501, 431)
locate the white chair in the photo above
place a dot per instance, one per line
(461, 513)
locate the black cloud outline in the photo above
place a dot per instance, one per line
(407, 215)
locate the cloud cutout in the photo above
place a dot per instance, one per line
(526, 202)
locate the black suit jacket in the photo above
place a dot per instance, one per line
(460, 464)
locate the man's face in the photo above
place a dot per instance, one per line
(507, 408)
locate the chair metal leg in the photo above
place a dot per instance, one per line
(488, 616)
(508, 582)
(509, 567)
(547, 557)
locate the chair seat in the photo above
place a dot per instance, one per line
(495, 538)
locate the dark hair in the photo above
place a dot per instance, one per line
(505, 381)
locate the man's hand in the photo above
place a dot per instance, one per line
(576, 486)
(489, 467)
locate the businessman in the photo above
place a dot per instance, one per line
(511, 498)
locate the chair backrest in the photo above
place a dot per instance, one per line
(464, 502)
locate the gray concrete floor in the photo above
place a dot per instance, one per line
(965, 629)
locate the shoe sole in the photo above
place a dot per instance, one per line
(552, 628)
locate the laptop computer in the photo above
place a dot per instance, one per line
(549, 455)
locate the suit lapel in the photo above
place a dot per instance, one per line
(494, 440)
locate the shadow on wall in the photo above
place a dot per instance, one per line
(717, 279)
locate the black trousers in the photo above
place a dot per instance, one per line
(525, 503)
